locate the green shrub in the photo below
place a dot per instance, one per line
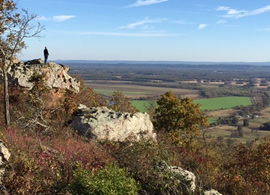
(144, 159)
(110, 180)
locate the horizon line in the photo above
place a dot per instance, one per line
(175, 61)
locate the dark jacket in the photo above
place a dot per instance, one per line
(46, 52)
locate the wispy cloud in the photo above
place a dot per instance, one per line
(202, 26)
(221, 22)
(234, 13)
(260, 10)
(120, 34)
(140, 3)
(143, 23)
(62, 18)
(43, 18)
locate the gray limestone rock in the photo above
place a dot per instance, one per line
(185, 179)
(211, 192)
(55, 75)
(4, 157)
(102, 123)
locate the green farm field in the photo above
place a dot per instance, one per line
(223, 102)
(206, 104)
(143, 105)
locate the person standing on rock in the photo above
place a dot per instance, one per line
(46, 54)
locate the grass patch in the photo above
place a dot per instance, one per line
(212, 120)
(206, 104)
(223, 102)
(142, 105)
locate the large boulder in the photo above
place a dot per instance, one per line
(102, 123)
(211, 192)
(4, 157)
(183, 179)
(55, 75)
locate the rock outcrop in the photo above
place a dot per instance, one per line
(211, 192)
(55, 75)
(183, 178)
(102, 123)
(4, 157)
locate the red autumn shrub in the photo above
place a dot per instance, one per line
(46, 165)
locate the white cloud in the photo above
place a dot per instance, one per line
(223, 8)
(62, 18)
(234, 13)
(221, 22)
(260, 10)
(140, 3)
(143, 23)
(42, 18)
(202, 26)
(119, 34)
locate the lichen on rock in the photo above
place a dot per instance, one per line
(55, 75)
(103, 123)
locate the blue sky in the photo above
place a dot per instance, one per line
(173, 30)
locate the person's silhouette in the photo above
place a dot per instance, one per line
(46, 54)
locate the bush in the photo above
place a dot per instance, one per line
(139, 158)
(144, 159)
(245, 122)
(182, 118)
(46, 166)
(120, 103)
(110, 180)
(246, 169)
(265, 126)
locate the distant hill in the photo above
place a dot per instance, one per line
(159, 62)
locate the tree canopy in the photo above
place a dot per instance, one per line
(180, 117)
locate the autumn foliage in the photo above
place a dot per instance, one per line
(183, 119)
(50, 158)
(45, 165)
(119, 102)
(63, 163)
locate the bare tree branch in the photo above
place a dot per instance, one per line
(15, 27)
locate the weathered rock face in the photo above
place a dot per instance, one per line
(212, 192)
(182, 179)
(102, 123)
(4, 157)
(185, 179)
(56, 76)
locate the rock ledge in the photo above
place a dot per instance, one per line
(102, 123)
